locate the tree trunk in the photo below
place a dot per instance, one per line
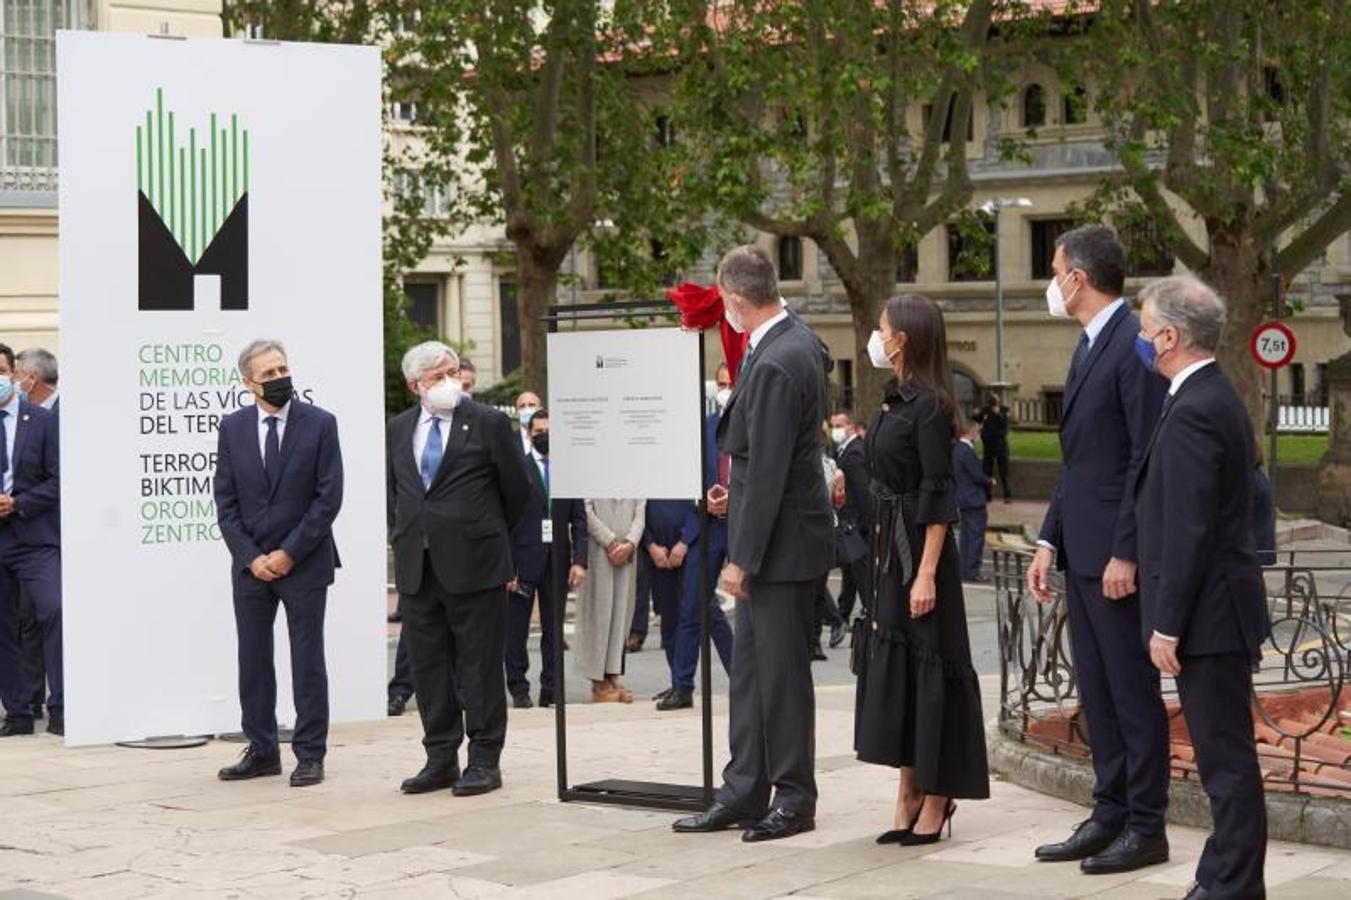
(1243, 278)
(866, 302)
(537, 289)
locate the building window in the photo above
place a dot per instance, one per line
(1320, 388)
(947, 124)
(665, 131)
(510, 325)
(790, 259)
(28, 89)
(907, 265)
(1297, 395)
(1044, 235)
(424, 304)
(971, 255)
(845, 368)
(1034, 106)
(405, 111)
(1075, 106)
(1147, 253)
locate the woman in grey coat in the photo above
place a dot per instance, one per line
(605, 605)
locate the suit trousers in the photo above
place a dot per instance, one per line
(826, 612)
(255, 613)
(1216, 696)
(401, 684)
(642, 603)
(688, 638)
(34, 572)
(519, 613)
(997, 455)
(853, 584)
(772, 704)
(1122, 706)
(974, 521)
(457, 643)
(666, 601)
(32, 652)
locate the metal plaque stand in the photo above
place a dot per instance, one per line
(616, 791)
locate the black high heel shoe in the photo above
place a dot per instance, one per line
(915, 839)
(896, 835)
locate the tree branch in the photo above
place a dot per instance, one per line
(1309, 245)
(550, 86)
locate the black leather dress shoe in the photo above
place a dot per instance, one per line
(521, 700)
(676, 698)
(838, 632)
(251, 765)
(818, 655)
(661, 695)
(1089, 837)
(435, 776)
(13, 727)
(56, 724)
(397, 706)
(546, 698)
(779, 824)
(477, 780)
(1197, 892)
(307, 772)
(716, 818)
(1130, 851)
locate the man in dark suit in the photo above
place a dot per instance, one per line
(35, 373)
(689, 634)
(532, 545)
(1111, 405)
(1203, 601)
(30, 551)
(278, 489)
(780, 542)
(857, 512)
(994, 441)
(663, 543)
(457, 488)
(973, 496)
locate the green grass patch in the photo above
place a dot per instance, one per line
(1292, 449)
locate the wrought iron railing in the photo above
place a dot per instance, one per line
(1301, 698)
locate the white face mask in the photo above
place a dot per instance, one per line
(525, 414)
(837, 434)
(733, 317)
(722, 397)
(877, 353)
(1056, 302)
(444, 396)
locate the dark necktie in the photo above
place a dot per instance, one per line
(1167, 402)
(548, 491)
(746, 362)
(431, 455)
(4, 446)
(271, 449)
(1080, 352)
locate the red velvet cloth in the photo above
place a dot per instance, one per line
(701, 308)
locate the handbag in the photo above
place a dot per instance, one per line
(849, 544)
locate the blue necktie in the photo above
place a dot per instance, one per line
(1080, 352)
(4, 447)
(746, 361)
(271, 449)
(431, 454)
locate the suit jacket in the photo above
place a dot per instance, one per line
(780, 524)
(973, 485)
(529, 554)
(1200, 579)
(292, 512)
(1110, 410)
(36, 463)
(476, 499)
(858, 498)
(666, 522)
(717, 526)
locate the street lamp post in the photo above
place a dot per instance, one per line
(993, 207)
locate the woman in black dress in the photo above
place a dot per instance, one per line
(919, 698)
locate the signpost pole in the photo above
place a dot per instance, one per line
(1277, 308)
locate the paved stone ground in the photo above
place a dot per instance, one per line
(113, 823)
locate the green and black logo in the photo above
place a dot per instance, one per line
(193, 210)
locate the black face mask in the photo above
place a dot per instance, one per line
(277, 391)
(541, 443)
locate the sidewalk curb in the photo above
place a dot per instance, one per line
(1325, 821)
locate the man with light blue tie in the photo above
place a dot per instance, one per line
(30, 549)
(278, 489)
(457, 485)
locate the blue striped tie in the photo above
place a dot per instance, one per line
(431, 454)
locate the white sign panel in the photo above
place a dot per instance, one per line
(212, 192)
(624, 415)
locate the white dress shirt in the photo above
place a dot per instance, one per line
(424, 430)
(1099, 322)
(50, 401)
(11, 429)
(758, 334)
(281, 415)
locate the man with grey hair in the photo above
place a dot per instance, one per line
(278, 489)
(457, 487)
(1203, 601)
(36, 373)
(780, 542)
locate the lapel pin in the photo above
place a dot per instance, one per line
(464, 427)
